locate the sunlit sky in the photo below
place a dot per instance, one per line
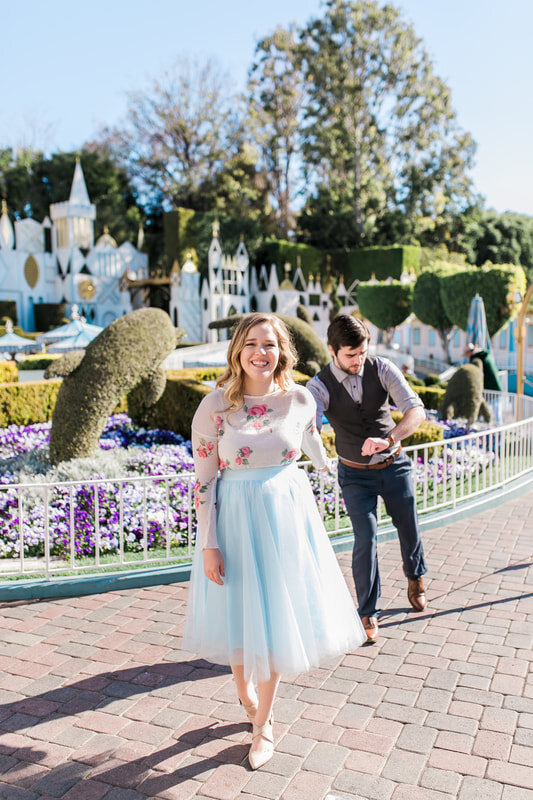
(68, 66)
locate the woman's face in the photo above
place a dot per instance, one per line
(260, 355)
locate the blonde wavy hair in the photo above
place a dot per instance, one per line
(232, 380)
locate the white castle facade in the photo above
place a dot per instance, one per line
(233, 287)
(57, 260)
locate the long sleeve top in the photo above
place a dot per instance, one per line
(267, 431)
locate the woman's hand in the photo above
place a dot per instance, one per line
(214, 565)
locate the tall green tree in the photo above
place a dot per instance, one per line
(380, 130)
(275, 96)
(30, 182)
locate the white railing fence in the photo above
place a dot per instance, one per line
(90, 526)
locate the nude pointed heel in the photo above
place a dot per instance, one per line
(262, 748)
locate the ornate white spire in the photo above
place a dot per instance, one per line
(7, 234)
(78, 193)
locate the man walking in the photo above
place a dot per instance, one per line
(353, 392)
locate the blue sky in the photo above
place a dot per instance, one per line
(67, 67)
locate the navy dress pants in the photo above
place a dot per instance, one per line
(360, 490)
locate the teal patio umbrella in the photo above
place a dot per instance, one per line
(477, 332)
(12, 343)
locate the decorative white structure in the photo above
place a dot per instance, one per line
(57, 261)
(233, 287)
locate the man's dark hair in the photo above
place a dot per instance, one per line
(347, 331)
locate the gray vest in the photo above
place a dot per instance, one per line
(354, 422)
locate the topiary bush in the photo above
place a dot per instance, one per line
(129, 351)
(464, 395)
(499, 285)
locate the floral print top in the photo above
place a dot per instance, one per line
(267, 431)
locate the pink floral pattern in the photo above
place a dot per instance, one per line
(310, 427)
(288, 456)
(258, 414)
(243, 455)
(222, 465)
(205, 448)
(199, 489)
(219, 422)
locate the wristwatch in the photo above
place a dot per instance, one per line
(390, 440)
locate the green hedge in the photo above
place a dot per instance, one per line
(38, 361)
(49, 315)
(8, 308)
(279, 252)
(27, 403)
(431, 396)
(380, 262)
(8, 371)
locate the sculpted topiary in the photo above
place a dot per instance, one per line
(464, 395)
(128, 352)
(312, 352)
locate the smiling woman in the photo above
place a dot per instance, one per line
(266, 596)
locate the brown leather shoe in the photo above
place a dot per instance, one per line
(370, 624)
(416, 593)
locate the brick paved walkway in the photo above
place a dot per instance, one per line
(98, 701)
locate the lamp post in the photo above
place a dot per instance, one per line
(520, 339)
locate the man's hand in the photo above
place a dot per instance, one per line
(374, 445)
(214, 565)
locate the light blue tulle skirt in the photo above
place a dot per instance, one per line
(284, 605)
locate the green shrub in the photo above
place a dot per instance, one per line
(302, 312)
(49, 315)
(8, 309)
(431, 396)
(38, 361)
(432, 380)
(8, 371)
(128, 352)
(464, 395)
(175, 408)
(27, 403)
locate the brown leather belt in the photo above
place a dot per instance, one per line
(380, 465)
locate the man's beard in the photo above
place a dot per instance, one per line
(350, 370)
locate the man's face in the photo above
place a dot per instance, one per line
(350, 359)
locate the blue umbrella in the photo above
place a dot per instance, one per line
(76, 325)
(11, 343)
(477, 332)
(77, 342)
